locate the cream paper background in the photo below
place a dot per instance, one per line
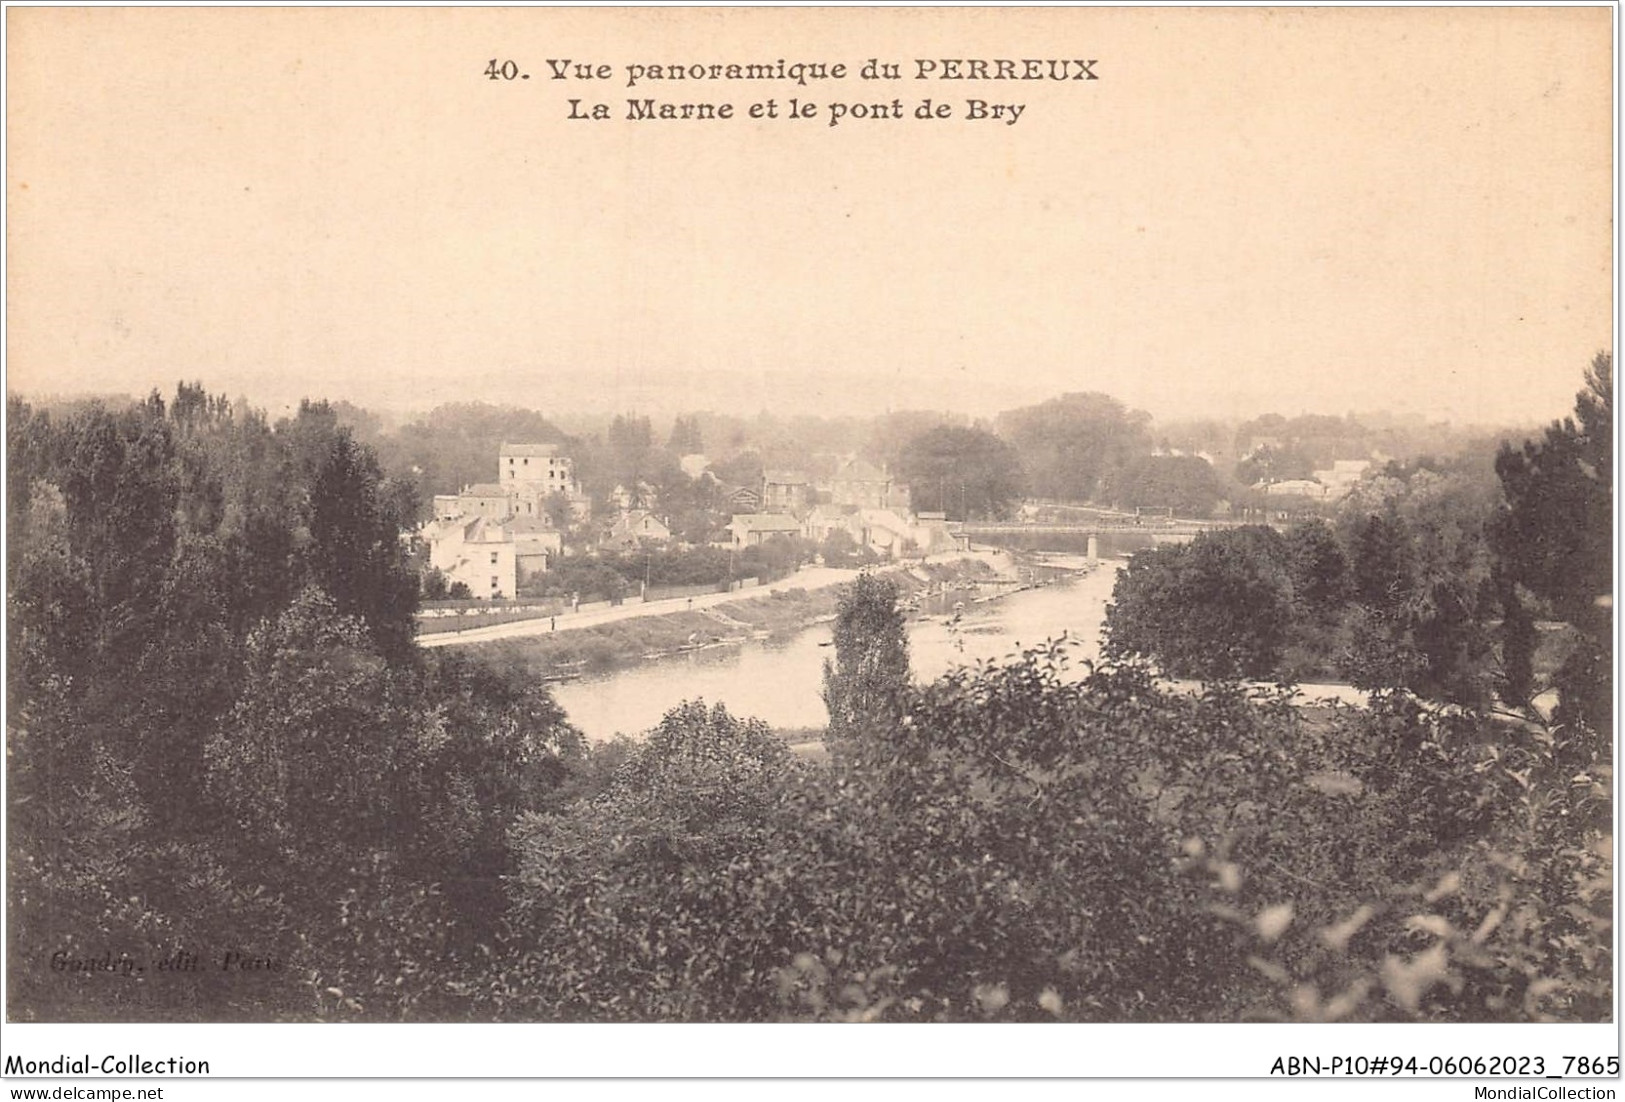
(1252, 210)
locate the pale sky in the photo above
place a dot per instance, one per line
(1251, 210)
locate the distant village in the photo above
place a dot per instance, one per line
(493, 537)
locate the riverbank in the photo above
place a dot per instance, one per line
(808, 578)
(630, 639)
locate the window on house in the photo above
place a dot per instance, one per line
(527, 460)
(493, 581)
(493, 558)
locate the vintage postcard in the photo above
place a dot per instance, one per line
(560, 518)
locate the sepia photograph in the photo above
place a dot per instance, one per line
(1088, 517)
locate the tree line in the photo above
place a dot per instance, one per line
(1078, 447)
(1433, 578)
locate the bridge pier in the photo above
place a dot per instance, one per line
(1094, 548)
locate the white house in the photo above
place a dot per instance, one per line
(884, 531)
(478, 552)
(493, 533)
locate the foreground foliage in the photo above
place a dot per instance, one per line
(221, 751)
(1024, 846)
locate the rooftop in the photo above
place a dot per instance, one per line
(528, 526)
(519, 450)
(767, 522)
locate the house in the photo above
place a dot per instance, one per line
(493, 534)
(492, 557)
(528, 475)
(824, 519)
(862, 485)
(752, 529)
(478, 552)
(634, 528)
(885, 531)
(485, 499)
(535, 469)
(536, 544)
(741, 499)
(1342, 476)
(786, 492)
(532, 473)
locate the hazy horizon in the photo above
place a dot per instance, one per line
(661, 416)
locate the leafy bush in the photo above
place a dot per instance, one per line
(652, 900)
(1018, 844)
(1220, 606)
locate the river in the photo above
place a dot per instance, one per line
(781, 680)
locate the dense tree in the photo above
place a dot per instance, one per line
(1555, 540)
(1217, 607)
(655, 879)
(434, 586)
(1273, 463)
(1072, 445)
(629, 460)
(155, 557)
(1424, 580)
(840, 549)
(1187, 484)
(1318, 568)
(773, 558)
(1291, 447)
(890, 433)
(744, 469)
(557, 508)
(685, 438)
(456, 444)
(1396, 599)
(963, 472)
(1219, 857)
(863, 685)
(1211, 438)
(355, 522)
(1381, 562)
(305, 755)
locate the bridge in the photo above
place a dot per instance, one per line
(1157, 527)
